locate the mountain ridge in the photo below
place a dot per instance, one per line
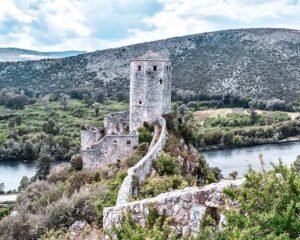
(260, 63)
(11, 54)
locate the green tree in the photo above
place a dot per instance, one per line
(23, 183)
(43, 166)
(97, 108)
(28, 150)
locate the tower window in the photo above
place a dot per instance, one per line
(160, 81)
(140, 102)
(139, 68)
(155, 68)
(128, 142)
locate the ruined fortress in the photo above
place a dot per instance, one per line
(150, 98)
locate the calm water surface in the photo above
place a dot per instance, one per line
(11, 172)
(238, 159)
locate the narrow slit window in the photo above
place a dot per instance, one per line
(160, 81)
(128, 142)
(155, 68)
(140, 102)
(139, 68)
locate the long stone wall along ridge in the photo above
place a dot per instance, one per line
(186, 207)
(142, 169)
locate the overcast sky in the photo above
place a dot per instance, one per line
(55, 25)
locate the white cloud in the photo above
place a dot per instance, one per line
(9, 9)
(92, 24)
(181, 17)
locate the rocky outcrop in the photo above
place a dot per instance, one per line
(186, 207)
(142, 169)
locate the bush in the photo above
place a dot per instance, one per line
(166, 165)
(157, 227)
(49, 127)
(16, 101)
(76, 162)
(156, 185)
(140, 153)
(4, 212)
(79, 179)
(58, 173)
(145, 135)
(269, 206)
(110, 198)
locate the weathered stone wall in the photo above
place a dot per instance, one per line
(187, 207)
(117, 123)
(109, 150)
(142, 169)
(89, 136)
(150, 89)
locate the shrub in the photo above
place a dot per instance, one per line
(166, 165)
(140, 153)
(4, 212)
(16, 101)
(157, 227)
(76, 162)
(111, 196)
(79, 179)
(145, 135)
(156, 185)
(58, 173)
(269, 206)
(49, 127)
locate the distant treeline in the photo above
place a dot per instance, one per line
(198, 101)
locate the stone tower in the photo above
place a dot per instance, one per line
(150, 89)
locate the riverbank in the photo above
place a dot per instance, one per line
(286, 140)
(239, 159)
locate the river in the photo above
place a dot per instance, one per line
(238, 159)
(228, 160)
(11, 172)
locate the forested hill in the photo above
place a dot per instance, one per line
(262, 63)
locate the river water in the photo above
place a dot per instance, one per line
(238, 159)
(228, 160)
(11, 172)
